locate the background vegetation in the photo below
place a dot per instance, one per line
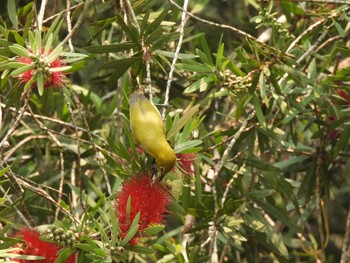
(259, 90)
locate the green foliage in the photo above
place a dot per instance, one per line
(264, 107)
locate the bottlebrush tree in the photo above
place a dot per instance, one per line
(254, 96)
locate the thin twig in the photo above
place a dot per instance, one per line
(345, 255)
(41, 14)
(74, 198)
(19, 144)
(45, 195)
(307, 53)
(177, 51)
(236, 30)
(224, 251)
(69, 26)
(328, 41)
(60, 189)
(62, 12)
(147, 58)
(75, 126)
(130, 14)
(4, 142)
(313, 26)
(44, 128)
(227, 151)
(217, 169)
(228, 186)
(20, 214)
(78, 23)
(97, 152)
(319, 174)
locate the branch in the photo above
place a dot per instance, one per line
(4, 142)
(97, 151)
(69, 26)
(177, 51)
(41, 14)
(236, 30)
(78, 23)
(345, 255)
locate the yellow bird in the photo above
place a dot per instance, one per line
(149, 132)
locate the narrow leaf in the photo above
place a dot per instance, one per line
(22, 70)
(12, 12)
(182, 121)
(19, 50)
(40, 82)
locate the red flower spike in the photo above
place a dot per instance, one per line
(36, 247)
(51, 79)
(150, 200)
(186, 162)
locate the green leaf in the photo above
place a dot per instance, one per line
(199, 190)
(179, 148)
(171, 54)
(58, 69)
(128, 208)
(132, 34)
(55, 53)
(194, 66)
(3, 171)
(156, 22)
(182, 121)
(30, 83)
(343, 142)
(261, 193)
(186, 195)
(12, 12)
(37, 35)
(204, 58)
(175, 207)
(131, 233)
(32, 42)
(19, 50)
(153, 230)
(84, 247)
(219, 55)
(261, 165)
(22, 69)
(64, 254)
(114, 223)
(114, 48)
(140, 249)
(201, 84)
(48, 45)
(13, 65)
(258, 111)
(122, 64)
(206, 50)
(40, 82)
(54, 27)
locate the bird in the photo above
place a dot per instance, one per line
(149, 132)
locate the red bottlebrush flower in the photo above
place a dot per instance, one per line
(186, 162)
(51, 79)
(150, 200)
(36, 247)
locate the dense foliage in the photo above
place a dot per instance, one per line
(255, 100)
